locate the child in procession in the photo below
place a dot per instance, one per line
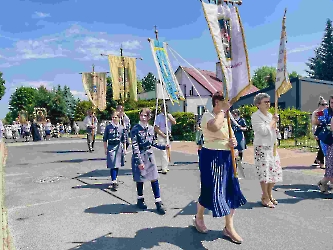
(114, 139)
(143, 160)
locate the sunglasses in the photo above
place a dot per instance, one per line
(267, 102)
(324, 104)
(115, 117)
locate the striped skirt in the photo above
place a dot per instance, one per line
(220, 190)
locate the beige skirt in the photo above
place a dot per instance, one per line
(268, 166)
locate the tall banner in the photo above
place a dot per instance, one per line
(165, 71)
(117, 66)
(228, 36)
(282, 83)
(131, 81)
(95, 87)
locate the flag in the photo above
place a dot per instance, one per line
(131, 81)
(95, 88)
(282, 83)
(116, 70)
(165, 71)
(228, 36)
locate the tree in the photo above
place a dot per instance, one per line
(2, 86)
(9, 118)
(264, 77)
(23, 99)
(81, 110)
(321, 65)
(57, 107)
(149, 82)
(140, 87)
(70, 102)
(294, 74)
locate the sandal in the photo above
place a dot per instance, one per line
(275, 202)
(267, 204)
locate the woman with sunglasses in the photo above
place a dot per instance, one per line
(143, 160)
(323, 119)
(268, 166)
(322, 104)
(114, 139)
(220, 191)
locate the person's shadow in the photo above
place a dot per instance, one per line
(185, 238)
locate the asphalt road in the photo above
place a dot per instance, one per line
(57, 198)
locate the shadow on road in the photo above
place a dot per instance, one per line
(117, 209)
(301, 167)
(79, 160)
(184, 238)
(103, 173)
(300, 192)
(66, 151)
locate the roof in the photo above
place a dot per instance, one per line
(214, 83)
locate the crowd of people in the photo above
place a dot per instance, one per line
(36, 130)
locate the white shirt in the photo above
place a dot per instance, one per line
(48, 126)
(264, 134)
(26, 127)
(88, 121)
(160, 122)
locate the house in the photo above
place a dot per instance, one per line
(303, 95)
(198, 86)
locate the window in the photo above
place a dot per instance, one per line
(200, 109)
(191, 91)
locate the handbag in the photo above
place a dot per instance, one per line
(326, 136)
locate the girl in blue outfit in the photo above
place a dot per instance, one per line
(143, 160)
(114, 139)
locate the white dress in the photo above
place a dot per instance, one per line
(268, 166)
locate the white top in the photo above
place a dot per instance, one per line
(88, 121)
(48, 126)
(215, 140)
(26, 127)
(264, 135)
(160, 122)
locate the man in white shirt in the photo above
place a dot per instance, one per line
(90, 121)
(161, 130)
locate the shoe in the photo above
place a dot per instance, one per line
(323, 187)
(141, 204)
(322, 166)
(275, 202)
(159, 207)
(114, 187)
(267, 204)
(201, 229)
(231, 237)
(164, 172)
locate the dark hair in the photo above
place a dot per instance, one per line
(330, 109)
(147, 111)
(120, 108)
(166, 107)
(217, 96)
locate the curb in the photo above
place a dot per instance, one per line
(6, 242)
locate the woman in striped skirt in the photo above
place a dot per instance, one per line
(220, 190)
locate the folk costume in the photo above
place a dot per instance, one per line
(126, 123)
(142, 142)
(239, 134)
(115, 137)
(88, 121)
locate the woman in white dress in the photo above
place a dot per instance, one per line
(268, 166)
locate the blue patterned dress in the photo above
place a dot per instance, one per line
(142, 142)
(115, 137)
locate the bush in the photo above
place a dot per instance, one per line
(184, 129)
(299, 120)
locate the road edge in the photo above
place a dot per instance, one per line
(6, 243)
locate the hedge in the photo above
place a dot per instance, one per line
(300, 121)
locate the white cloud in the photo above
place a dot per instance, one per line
(79, 94)
(37, 84)
(302, 48)
(40, 15)
(8, 65)
(131, 44)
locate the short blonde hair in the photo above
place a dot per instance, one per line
(258, 98)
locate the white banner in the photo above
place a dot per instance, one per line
(282, 83)
(228, 37)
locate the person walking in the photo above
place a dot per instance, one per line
(161, 129)
(268, 165)
(220, 190)
(143, 160)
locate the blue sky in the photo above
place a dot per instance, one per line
(50, 41)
